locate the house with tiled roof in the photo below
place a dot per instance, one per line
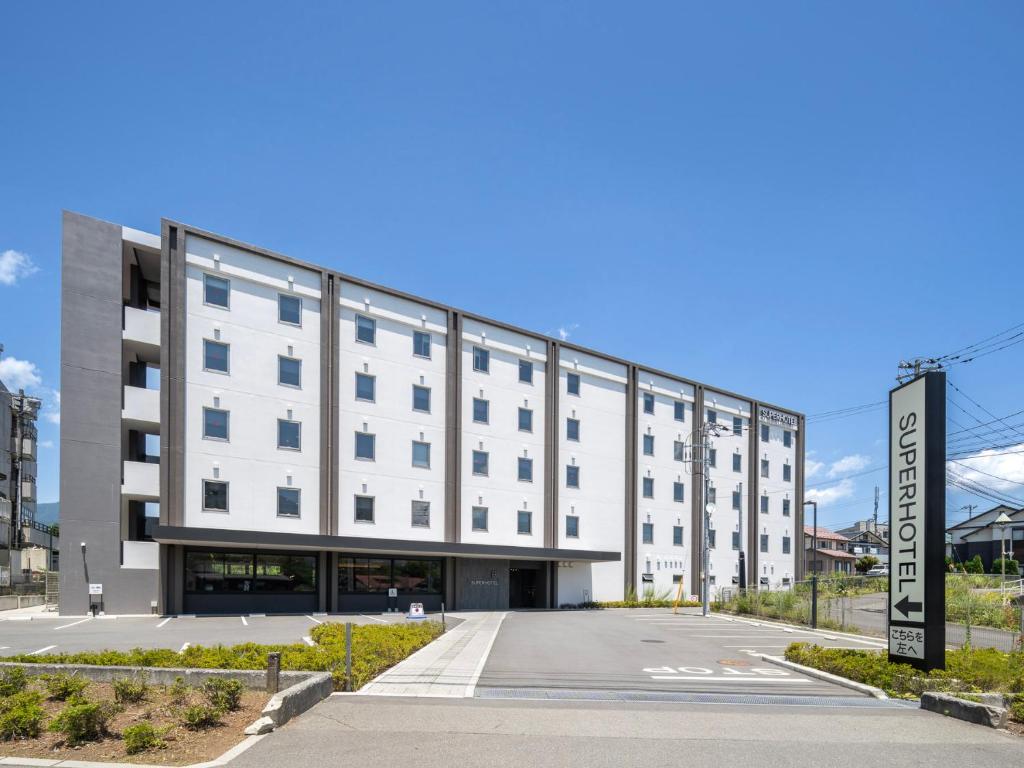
(831, 555)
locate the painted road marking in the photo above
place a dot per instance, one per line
(308, 640)
(246, 623)
(382, 621)
(164, 622)
(185, 646)
(730, 679)
(42, 650)
(73, 623)
(315, 621)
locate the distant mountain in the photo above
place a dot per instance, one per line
(48, 513)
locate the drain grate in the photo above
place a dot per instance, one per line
(569, 694)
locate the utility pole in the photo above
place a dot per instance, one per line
(706, 430)
(743, 564)
(875, 529)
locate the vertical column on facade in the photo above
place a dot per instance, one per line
(696, 492)
(453, 430)
(630, 545)
(753, 545)
(797, 546)
(335, 386)
(172, 375)
(328, 365)
(551, 435)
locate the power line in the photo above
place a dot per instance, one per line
(988, 474)
(986, 410)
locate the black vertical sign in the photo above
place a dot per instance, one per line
(917, 522)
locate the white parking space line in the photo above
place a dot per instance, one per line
(308, 640)
(73, 623)
(246, 623)
(42, 650)
(164, 622)
(315, 621)
(184, 647)
(382, 621)
(716, 680)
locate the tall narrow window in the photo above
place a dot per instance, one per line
(524, 522)
(737, 462)
(764, 467)
(289, 371)
(420, 514)
(572, 527)
(785, 507)
(764, 542)
(215, 496)
(787, 473)
(480, 463)
(481, 360)
(572, 430)
(289, 309)
(786, 545)
(525, 470)
(289, 435)
(648, 487)
(677, 535)
(648, 533)
(648, 402)
(679, 410)
(712, 537)
(648, 445)
(736, 500)
(787, 438)
(765, 433)
(215, 424)
(764, 505)
(366, 387)
(525, 420)
(526, 372)
(678, 451)
(678, 492)
(420, 398)
(366, 446)
(366, 330)
(735, 539)
(421, 343)
(216, 291)
(712, 416)
(737, 425)
(216, 356)
(712, 494)
(713, 457)
(481, 410)
(572, 383)
(572, 476)
(364, 509)
(288, 502)
(479, 518)
(420, 454)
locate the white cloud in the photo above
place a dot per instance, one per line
(15, 265)
(565, 331)
(46, 443)
(51, 409)
(19, 374)
(852, 463)
(1004, 473)
(832, 494)
(812, 467)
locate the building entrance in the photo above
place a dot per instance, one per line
(522, 588)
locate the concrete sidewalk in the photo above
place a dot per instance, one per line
(447, 668)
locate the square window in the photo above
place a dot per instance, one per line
(480, 460)
(648, 487)
(289, 371)
(736, 500)
(678, 451)
(785, 507)
(289, 435)
(764, 467)
(677, 578)
(366, 446)
(648, 445)
(215, 496)
(366, 330)
(215, 424)
(525, 471)
(420, 398)
(572, 527)
(712, 416)
(288, 502)
(481, 410)
(765, 433)
(764, 542)
(679, 410)
(366, 387)
(787, 438)
(481, 360)
(421, 343)
(572, 383)
(479, 518)
(648, 402)
(764, 505)
(216, 356)
(678, 492)
(737, 462)
(735, 539)
(572, 430)
(420, 454)
(737, 425)
(648, 533)
(420, 514)
(525, 420)
(526, 372)
(289, 309)
(712, 537)
(712, 457)
(524, 522)
(677, 535)
(216, 291)
(787, 473)
(364, 509)
(572, 476)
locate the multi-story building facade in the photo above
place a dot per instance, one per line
(243, 431)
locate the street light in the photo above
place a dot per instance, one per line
(1002, 521)
(814, 566)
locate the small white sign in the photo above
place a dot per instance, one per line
(906, 641)
(95, 589)
(416, 611)
(392, 592)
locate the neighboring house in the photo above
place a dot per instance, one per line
(982, 535)
(832, 555)
(867, 543)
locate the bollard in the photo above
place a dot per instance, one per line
(348, 656)
(814, 602)
(273, 672)
(444, 627)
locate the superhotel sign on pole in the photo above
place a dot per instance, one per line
(917, 522)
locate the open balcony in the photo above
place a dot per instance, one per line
(141, 481)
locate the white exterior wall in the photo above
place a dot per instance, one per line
(663, 559)
(501, 492)
(250, 461)
(724, 560)
(600, 501)
(774, 565)
(391, 479)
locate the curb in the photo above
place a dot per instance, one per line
(772, 623)
(868, 690)
(975, 712)
(231, 754)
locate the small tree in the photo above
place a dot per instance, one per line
(1012, 566)
(974, 565)
(866, 563)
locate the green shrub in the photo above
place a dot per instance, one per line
(1017, 708)
(974, 565)
(62, 686)
(1012, 566)
(12, 680)
(21, 717)
(130, 690)
(141, 737)
(82, 721)
(200, 716)
(225, 695)
(178, 690)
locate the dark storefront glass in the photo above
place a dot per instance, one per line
(233, 572)
(376, 575)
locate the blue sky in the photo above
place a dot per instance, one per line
(783, 199)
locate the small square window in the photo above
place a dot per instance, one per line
(572, 527)
(289, 371)
(572, 476)
(787, 438)
(481, 360)
(648, 487)
(524, 522)
(764, 542)
(215, 496)
(526, 372)
(420, 514)
(366, 387)
(289, 435)
(572, 430)
(712, 416)
(216, 356)
(677, 578)
(289, 309)
(420, 398)
(678, 491)
(648, 402)
(764, 505)
(712, 457)
(525, 420)
(481, 410)
(678, 451)
(479, 518)
(572, 383)
(679, 410)
(785, 507)
(421, 344)
(420, 454)
(737, 462)
(737, 425)
(787, 473)
(736, 500)
(366, 446)
(216, 291)
(525, 470)
(364, 509)
(648, 533)
(480, 462)
(765, 433)
(764, 467)
(288, 502)
(215, 424)
(648, 445)
(366, 330)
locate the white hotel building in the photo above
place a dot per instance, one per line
(245, 432)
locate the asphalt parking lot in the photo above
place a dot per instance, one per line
(45, 633)
(622, 651)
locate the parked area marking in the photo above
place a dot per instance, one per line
(182, 649)
(42, 650)
(374, 618)
(315, 621)
(308, 640)
(73, 623)
(246, 623)
(164, 622)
